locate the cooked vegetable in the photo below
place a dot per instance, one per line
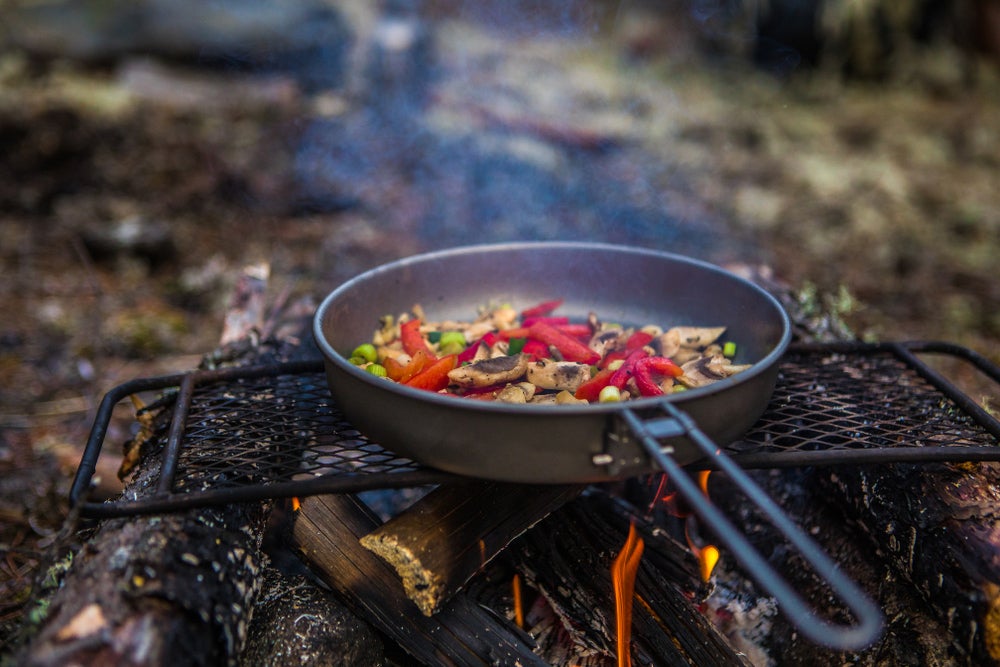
(609, 395)
(365, 352)
(540, 357)
(377, 370)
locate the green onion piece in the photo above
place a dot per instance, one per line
(358, 361)
(433, 337)
(377, 370)
(609, 394)
(365, 351)
(616, 364)
(515, 345)
(729, 349)
(452, 338)
(679, 387)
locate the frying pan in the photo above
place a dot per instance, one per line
(536, 443)
(561, 444)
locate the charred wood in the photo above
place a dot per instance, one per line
(913, 634)
(326, 532)
(567, 558)
(439, 543)
(939, 527)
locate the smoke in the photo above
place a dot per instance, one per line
(479, 124)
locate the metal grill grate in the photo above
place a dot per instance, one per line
(271, 432)
(265, 430)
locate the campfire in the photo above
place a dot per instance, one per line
(484, 572)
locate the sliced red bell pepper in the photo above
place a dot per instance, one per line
(643, 371)
(421, 360)
(591, 389)
(644, 380)
(570, 348)
(528, 321)
(412, 339)
(517, 332)
(435, 376)
(624, 371)
(490, 339)
(536, 348)
(663, 366)
(393, 369)
(541, 309)
(576, 330)
(612, 357)
(638, 339)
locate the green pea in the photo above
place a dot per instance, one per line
(729, 349)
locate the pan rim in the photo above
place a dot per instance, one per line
(331, 355)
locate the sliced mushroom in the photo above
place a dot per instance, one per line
(605, 341)
(476, 330)
(503, 317)
(516, 393)
(667, 344)
(496, 370)
(706, 370)
(558, 375)
(697, 337)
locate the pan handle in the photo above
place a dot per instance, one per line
(869, 618)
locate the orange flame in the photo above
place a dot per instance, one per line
(296, 504)
(623, 571)
(518, 607)
(707, 555)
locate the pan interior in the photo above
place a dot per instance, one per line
(625, 285)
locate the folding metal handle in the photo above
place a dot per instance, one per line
(870, 619)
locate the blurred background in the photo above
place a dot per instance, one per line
(150, 149)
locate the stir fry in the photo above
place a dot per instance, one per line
(537, 356)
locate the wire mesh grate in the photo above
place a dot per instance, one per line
(269, 430)
(273, 432)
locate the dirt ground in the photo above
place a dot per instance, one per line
(132, 191)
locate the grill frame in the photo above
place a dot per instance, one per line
(229, 430)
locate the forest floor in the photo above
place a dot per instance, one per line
(133, 192)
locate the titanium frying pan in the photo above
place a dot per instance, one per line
(533, 443)
(562, 444)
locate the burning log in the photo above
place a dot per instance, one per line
(327, 531)
(938, 526)
(437, 545)
(913, 633)
(583, 537)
